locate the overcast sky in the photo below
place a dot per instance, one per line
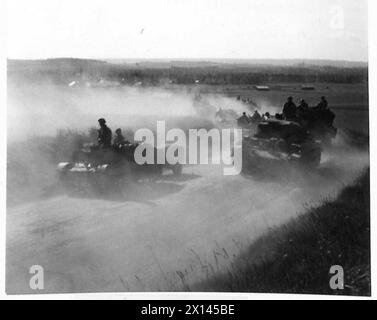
(263, 29)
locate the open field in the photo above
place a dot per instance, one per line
(160, 235)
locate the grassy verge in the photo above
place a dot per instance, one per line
(296, 258)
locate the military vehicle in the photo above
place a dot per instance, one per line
(278, 141)
(102, 169)
(320, 123)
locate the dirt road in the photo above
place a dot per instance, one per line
(137, 239)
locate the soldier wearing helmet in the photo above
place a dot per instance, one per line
(289, 110)
(104, 134)
(119, 140)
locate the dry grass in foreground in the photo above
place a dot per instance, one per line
(296, 257)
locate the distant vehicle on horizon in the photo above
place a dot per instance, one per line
(262, 88)
(307, 87)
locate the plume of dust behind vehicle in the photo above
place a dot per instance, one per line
(47, 123)
(37, 112)
(222, 207)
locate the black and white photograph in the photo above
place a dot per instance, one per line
(186, 146)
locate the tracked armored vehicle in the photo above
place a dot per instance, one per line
(103, 169)
(277, 142)
(320, 123)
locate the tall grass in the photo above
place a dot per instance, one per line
(296, 257)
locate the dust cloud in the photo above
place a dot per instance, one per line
(45, 120)
(42, 110)
(152, 229)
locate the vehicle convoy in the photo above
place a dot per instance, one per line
(106, 168)
(297, 134)
(278, 141)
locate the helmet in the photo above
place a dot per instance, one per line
(102, 121)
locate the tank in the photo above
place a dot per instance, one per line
(277, 142)
(102, 169)
(320, 123)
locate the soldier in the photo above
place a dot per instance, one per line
(303, 113)
(289, 110)
(323, 104)
(256, 118)
(303, 105)
(302, 110)
(104, 134)
(119, 140)
(243, 121)
(323, 113)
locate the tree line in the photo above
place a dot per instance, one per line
(67, 70)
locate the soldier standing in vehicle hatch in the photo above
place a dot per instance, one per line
(289, 110)
(104, 134)
(243, 121)
(119, 139)
(323, 104)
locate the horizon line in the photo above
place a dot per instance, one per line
(190, 59)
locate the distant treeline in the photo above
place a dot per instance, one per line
(66, 70)
(213, 76)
